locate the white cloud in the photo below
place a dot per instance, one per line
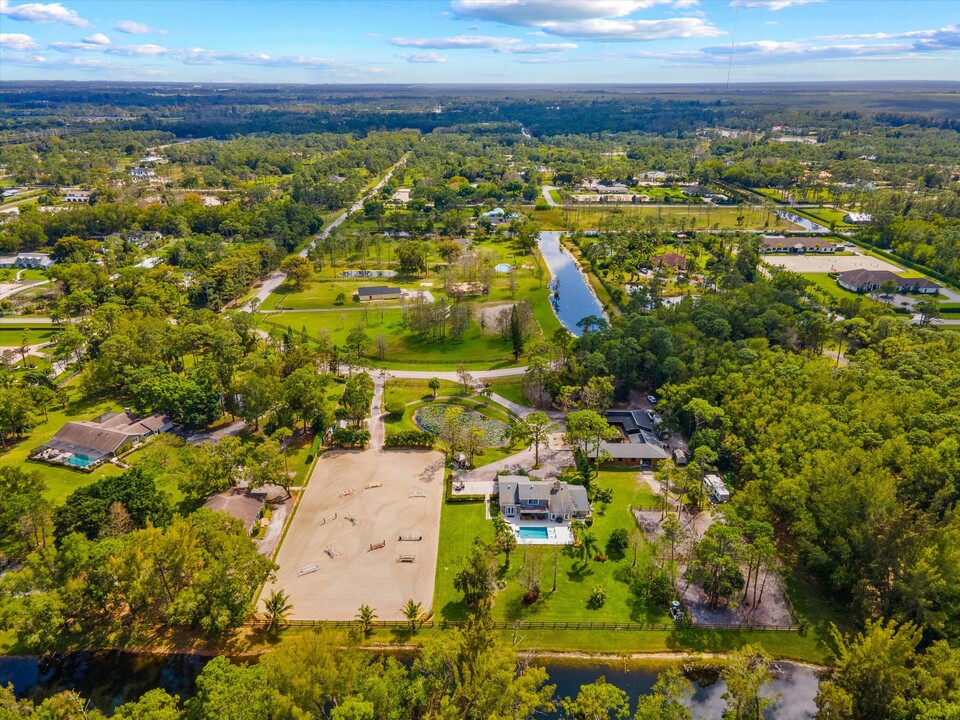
(634, 30)
(457, 42)
(537, 12)
(422, 57)
(17, 41)
(132, 27)
(603, 20)
(42, 13)
(540, 48)
(97, 39)
(771, 4)
(760, 52)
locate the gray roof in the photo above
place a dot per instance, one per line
(105, 434)
(633, 451)
(239, 504)
(559, 497)
(630, 420)
(378, 290)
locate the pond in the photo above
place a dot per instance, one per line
(112, 678)
(803, 222)
(573, 299)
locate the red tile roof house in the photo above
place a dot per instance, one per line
(671, 260)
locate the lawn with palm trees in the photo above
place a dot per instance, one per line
(577, 573)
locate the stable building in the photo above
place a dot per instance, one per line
(379, 292)
(796, 245)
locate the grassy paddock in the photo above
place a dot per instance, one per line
(692, 217)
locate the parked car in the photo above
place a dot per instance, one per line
(652, 399)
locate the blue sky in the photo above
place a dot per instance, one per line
(480, 41)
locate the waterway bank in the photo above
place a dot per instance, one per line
(112, 678)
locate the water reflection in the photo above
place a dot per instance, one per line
(572, 297)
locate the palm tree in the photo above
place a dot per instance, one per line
(366, 616)
(411, 611)
(277, 607)
(434, 384)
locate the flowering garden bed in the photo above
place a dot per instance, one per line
(430, 418)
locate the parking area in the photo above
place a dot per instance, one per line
(365, 533)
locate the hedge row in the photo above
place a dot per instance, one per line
(409, 438)
(449, 497)
(350, 438)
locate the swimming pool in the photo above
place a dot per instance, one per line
(80, 461)
(503, 268)
(533, 533)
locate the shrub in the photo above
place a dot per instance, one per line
(597, 598)
(394, 408)
(409, 438)
(350, 438)
(618, 543)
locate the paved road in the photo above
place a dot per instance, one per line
(546, 195)
(14, 320)
(447, 375)
(21, 288)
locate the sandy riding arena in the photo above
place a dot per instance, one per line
(344, 547)
(829, 263)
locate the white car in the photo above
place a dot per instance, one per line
(652, 399)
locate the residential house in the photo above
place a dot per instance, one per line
(615, 189)
(41, 261)
(84, 444)
(141, 173)
(796, 245)
(858, 218)
(638, 443)
(379, 292)
(76, 196)
(522, 498)
(868, 280)
(672, 260)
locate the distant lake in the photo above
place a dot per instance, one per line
(573, 298)
(112, 678)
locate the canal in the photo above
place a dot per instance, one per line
(572, 297)
(112, 678)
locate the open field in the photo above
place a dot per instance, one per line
(357, 575)
(690, 217)
(15, 336)
(829, 263)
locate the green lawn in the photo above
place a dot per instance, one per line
(696, 217)
(825, 216)
(13, 336)
(459, 524)
(510, 388)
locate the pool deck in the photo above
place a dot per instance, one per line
(557, 533)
